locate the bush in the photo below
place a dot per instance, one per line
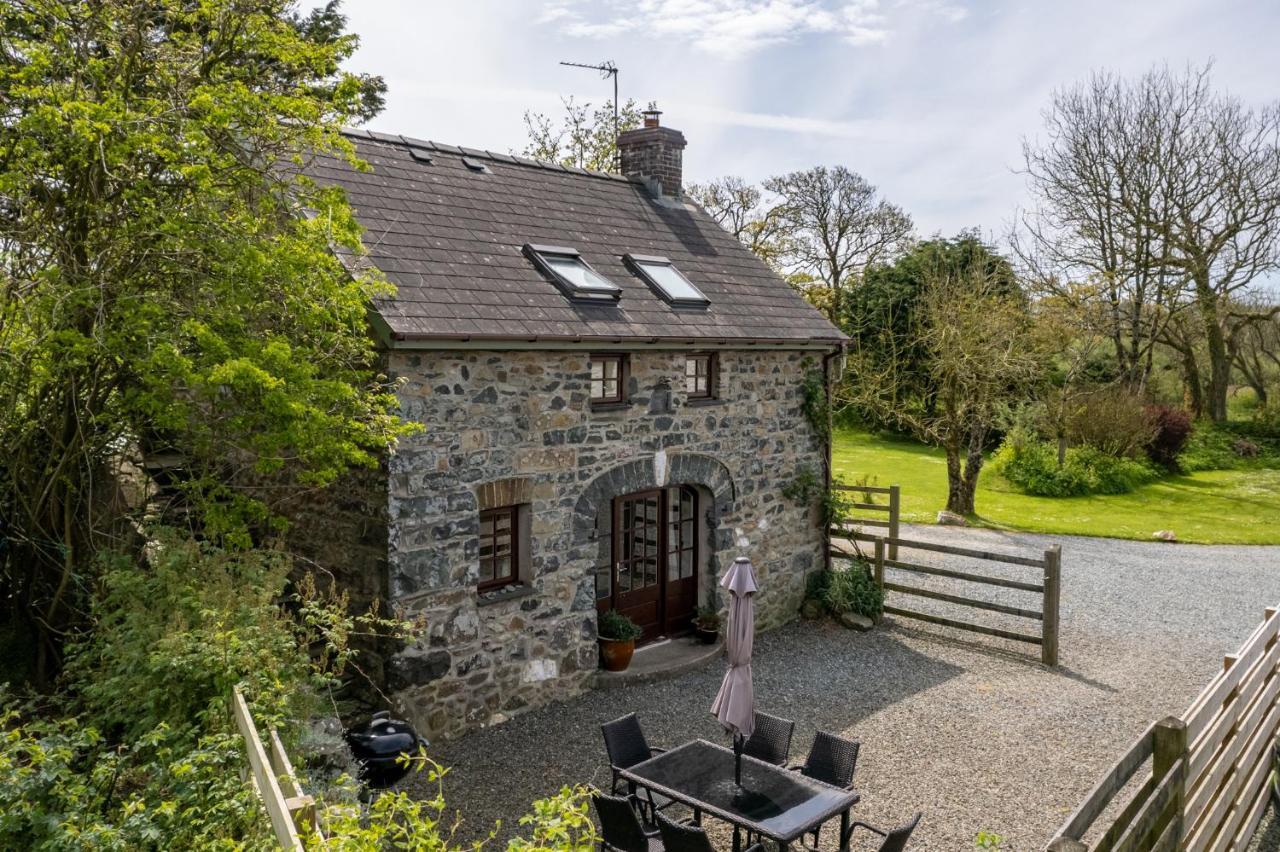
(1033, 467)
(852, 589)
(614, 625)
(1113, 421)
(1173, 429)
(1229, 446)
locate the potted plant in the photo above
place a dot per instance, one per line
(707, 625)
(618, 635)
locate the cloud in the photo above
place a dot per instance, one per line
(736, 28)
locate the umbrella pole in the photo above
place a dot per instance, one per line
(737, 759)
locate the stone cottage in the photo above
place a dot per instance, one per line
(611, 390)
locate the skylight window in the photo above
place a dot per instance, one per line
(670, 283)
(572, 274)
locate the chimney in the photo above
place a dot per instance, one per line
(654, 153)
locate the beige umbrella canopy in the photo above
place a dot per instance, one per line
(735, 702)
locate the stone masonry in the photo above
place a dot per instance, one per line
(504, 427)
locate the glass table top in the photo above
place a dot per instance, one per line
(772, 801)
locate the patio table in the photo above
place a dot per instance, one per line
(772, 802)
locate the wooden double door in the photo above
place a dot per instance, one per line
(653, 577)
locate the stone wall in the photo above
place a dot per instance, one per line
(521, 422)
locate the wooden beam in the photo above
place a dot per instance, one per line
(956, 599)
(963, 625)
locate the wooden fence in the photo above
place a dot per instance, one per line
(893, 510)
(273, 777)
(1201, 778)
(1047, 585)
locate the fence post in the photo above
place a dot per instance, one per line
(879, 565)
(1169, 745)
(895, 505)
(1066, 844)
(1052, 594)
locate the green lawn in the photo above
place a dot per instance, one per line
(1218, 507)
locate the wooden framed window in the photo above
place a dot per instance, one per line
(608, 379)
(700, 375)
(499, 547)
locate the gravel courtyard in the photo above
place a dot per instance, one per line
(970, 730)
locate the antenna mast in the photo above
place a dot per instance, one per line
(607, 69)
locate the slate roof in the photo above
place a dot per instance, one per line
(450, 239)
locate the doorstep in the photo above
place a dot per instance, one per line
(660, 661)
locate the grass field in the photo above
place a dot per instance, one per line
(1209, 507)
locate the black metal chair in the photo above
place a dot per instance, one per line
(625, 743)
(682, 837)
(831, 760)
(895, 840)
(771, 739)
(620, 827)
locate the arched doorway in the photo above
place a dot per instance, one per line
(655, 549)
(651, 530)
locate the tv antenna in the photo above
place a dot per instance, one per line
(607, 69)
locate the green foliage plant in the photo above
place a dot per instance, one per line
(171, 281)
(853, 589)
(1033, 467)
(618, 627)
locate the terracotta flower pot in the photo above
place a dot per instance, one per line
(615, 654)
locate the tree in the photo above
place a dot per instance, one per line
(836, 226)
(954, 348)
(169, 281)
(742, 210)
(1166, 184)
(584, 138)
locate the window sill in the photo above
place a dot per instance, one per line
(610, 406)
(701, 401)
(513, 592)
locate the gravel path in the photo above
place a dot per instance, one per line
(972, 731)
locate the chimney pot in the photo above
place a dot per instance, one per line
(655, 154)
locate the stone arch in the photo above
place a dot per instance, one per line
(643, 473)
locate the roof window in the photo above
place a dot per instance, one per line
(572, 274)
(662, 275)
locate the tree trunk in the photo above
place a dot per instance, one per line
(962, 481)
(1192, 389)
(1219, 357)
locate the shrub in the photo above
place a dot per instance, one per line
(1229, 446)
(614, 625)
(1111, 420)
(1033, 467)
(853, 589)
(1173, 429)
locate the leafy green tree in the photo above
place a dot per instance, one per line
(583, 138)
(944, 344)
(170, 281)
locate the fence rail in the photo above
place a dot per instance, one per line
(893, 509)
(1206, 789)
(1050, 564)
(274, 779)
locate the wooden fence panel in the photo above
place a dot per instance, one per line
(1215, 779)
(264, 778)
(1050, 566)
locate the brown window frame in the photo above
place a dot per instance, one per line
(621, 360)
(512, 534)
(712, 375)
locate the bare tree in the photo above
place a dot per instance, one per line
(742, 209)
(1087, 178)
(836, 226)
(1253, 339)
(1163, 186)
(583, 138)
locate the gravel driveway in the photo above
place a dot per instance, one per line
(970, 730)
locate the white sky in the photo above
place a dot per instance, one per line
(928, 99)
